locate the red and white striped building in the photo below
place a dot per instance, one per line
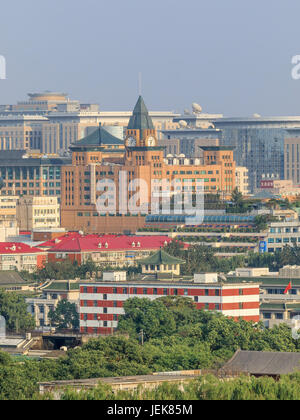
(101, 303)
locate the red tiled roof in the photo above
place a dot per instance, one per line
(79, 243)
(17, 248)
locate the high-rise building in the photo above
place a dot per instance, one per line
(258, 143)
(292, 155)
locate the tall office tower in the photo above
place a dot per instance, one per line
(292, 155)
(258, 143)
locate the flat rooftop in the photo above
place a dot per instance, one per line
(147, 280)
(11, 342)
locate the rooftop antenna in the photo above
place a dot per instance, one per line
(140, 84)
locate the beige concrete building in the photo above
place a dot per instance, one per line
(38, 212)
(52, 293)
(8, 217)
(242, 179)
(51, 122)
(20, 132)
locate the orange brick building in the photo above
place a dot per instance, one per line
(103, 167)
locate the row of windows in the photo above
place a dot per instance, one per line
(97, 317)
(153, 291)
(283, 240)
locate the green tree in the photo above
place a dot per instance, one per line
(13, 308)
(150, 316)
(65, 315)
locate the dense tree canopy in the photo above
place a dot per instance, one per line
(182, 338)
(14, 309)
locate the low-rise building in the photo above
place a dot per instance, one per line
(161, 262)
(19, 256)
(281, 234)
(101, 303)
(52, 293)
(278, 302)
(105, 250)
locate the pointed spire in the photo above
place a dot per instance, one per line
(140, 119)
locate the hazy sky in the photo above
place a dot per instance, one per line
(231, 56)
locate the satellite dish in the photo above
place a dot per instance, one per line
(197, 109)
(186, 112)
(183, 123)
(256, 115)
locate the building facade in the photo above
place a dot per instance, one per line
(282, 233)
(189, 141)
(51, 122)
(25, 175)
(143, 163)
(106, 250)
(101, 303)
(52, 293)
(38, 212)
(258, 143)
(242, 179)
(292, 155)
(19, 256)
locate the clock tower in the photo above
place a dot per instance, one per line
(140, 131)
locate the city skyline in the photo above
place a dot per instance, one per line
(236, 61)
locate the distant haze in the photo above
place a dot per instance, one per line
(231, 56)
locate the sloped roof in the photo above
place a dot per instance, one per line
(161, 257)
(99, 137)
(10, 277)
(79, 243)
(17, 248)
(140, 119)
(263, 362)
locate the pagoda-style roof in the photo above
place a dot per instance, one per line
(99, 137)
(161, 257)
(140, 119)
